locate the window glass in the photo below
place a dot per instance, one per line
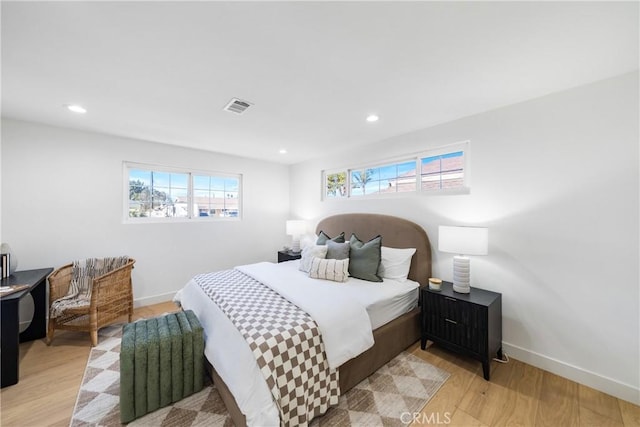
(335, 185)
(442, 172)
(218, 197)
(139, 193)
(169, 194)
(155, 194)
(390, 178)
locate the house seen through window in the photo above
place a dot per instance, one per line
(444, 171)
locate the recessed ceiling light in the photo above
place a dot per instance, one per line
(283, 151)
(372, 118)
(76, 108)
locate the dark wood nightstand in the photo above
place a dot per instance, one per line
(470, 324)
(288, 256)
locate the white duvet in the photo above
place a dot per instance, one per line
(342, 319)
(343, 323)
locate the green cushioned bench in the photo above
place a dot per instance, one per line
(161, 362)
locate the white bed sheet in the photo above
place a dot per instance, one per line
(227, 350)
(384, 300)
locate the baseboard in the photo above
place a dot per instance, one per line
(591, 379)
(156, 299)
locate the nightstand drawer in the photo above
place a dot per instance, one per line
(461, 312)
(457, 333)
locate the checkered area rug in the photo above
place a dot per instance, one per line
(404, 385)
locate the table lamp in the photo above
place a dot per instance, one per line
(463, 241)
(296, 228)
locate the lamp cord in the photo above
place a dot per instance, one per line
(505, 358)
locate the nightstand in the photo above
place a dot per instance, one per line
(469, 324)
(288, 256)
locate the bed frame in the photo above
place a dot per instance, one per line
(390, 339)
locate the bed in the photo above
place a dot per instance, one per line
(240, 390)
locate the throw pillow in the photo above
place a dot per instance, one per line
(337, 250)
(365, 258)
(395, 263)
(336, 270)
(323, 238)
(310, 252)
(307, 240)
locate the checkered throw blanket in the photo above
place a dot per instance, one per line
(285, 341)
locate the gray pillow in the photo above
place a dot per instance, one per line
(323, 238)
(337, 250)
(364, 258)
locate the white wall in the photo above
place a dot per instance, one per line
(62, 196)
(1, 183)
(556, 181)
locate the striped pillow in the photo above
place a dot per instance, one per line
(330, 269)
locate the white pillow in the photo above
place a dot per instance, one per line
(310, 252)
(330, 269)
(308, 239)
(395, 263)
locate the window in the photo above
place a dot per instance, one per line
(335, 185)
(385, 179)
(164, 194)
(442, 172)
(439, 171)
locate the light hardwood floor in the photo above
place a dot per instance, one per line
(517, 395)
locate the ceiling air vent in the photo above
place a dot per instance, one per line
(237, 106)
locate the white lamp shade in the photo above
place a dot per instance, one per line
(463, 240)
(296, 227)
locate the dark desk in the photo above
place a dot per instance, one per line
(10, 336)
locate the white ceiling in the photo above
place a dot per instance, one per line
(162, 71)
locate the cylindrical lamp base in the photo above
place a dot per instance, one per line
(461, 274)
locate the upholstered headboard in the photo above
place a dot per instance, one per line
(396, 233)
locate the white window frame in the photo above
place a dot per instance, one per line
(417, 157)
(191, 216)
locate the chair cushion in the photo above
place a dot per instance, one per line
(67, 305)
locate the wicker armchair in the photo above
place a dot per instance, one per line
(111, 298)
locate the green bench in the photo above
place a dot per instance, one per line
(161, 362)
